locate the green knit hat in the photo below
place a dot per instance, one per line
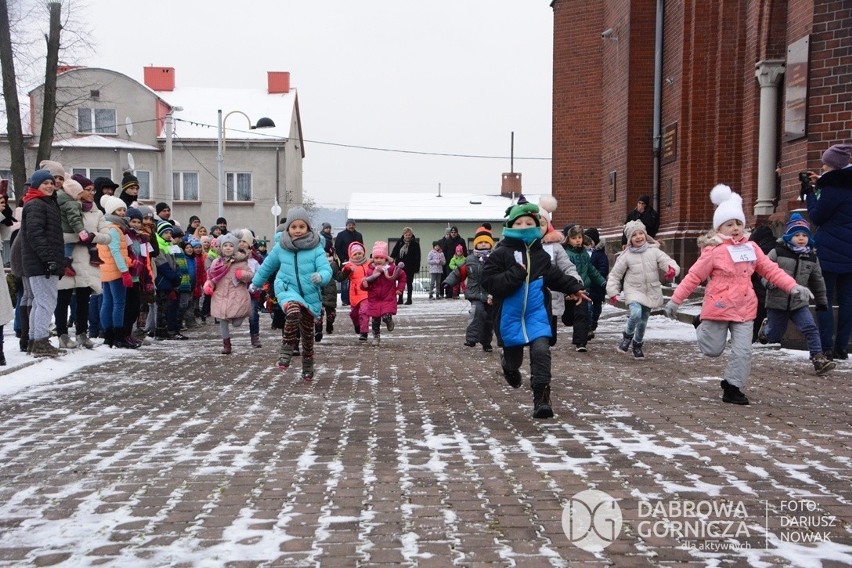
(519, 209)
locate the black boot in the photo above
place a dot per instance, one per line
(626, 340)
(512, 376)
(541, 402)
(109, 337)
(2, 356)
(408, 301)
(24, 317)
(732, 394)
(637, 351)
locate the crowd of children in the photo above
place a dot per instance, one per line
(157, 279)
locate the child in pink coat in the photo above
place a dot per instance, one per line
(384, 283)
(728, 260)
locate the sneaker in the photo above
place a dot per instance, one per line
(66, 342)
(590, 335)
(761, 333)
(285, 356)
(626, 340)
(362, 337)
(470, 343)
(177, 336)
(388, 319)
(822, 364)
(512, 376)
(581, 348)
(732, 394)
(637, 351)
(487, 348)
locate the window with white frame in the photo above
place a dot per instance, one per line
(185, 186)
(238, 186)
(144, 178)
(93, 173)
(96, 120)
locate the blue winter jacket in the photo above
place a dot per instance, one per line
(521, 303)
(832, 214)
(293, 278)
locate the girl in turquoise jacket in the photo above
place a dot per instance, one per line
(301, 270)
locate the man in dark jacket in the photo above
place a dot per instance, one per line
(645, 213)
(341, 248)
(407, 251)
(43, 258)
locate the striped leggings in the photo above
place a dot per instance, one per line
(298, 320)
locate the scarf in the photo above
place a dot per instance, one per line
(641, 249)
(403, 249)
(305, 242)
(120, 221)
(798, 250)
(528, 235)
(34, 193)
(88, 206)
(482, 255)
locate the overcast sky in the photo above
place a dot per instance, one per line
(435, 76)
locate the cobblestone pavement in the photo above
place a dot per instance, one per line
(416, 452)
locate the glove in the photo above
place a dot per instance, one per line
(208, 288)
(8, 218)
(127, 279)
(670, 274)
(400, 265)
(316, 278)
(252, 289)
(821, 308)
(85, 236)
(802, 292)
(670, 309)
(613, 300)
(238, 273)
(519, 258)
(52, 268)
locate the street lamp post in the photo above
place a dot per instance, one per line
(220, 154)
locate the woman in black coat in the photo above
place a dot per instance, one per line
(407, 251)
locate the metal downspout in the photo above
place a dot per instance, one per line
(658, 99)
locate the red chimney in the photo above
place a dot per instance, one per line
(511, 186)
(278, 82)
(60, 69)
(160, 78)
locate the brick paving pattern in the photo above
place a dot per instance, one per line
(416, 452)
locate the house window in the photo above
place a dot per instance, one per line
(96, 120)
(243, 185)
(93, 173)
(144, 178)
(185, 186)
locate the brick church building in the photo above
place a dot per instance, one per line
(669, 97)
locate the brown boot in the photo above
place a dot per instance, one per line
(43, 348)
(226, 346)
(255, 340)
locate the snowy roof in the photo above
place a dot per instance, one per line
(430, 207)
(97, 141)
(199, 117)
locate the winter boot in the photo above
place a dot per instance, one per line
(487, 347)
(285, 356)
(255, 340)
(24, 317)
(329, 327)
(109, 336)
(318, 331)
(388, 319)
(732, 394)
(43, 348)
(512, 376)
(637, 351)
(408, 301)
(66, 342)
(226, 346)
(761, 333)
(84, 341)
(2, 356)
(308, 369)
(626, 340)
(399, 300)
(541, 402)
(821, 364)
(362, 337)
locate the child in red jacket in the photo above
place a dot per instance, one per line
(384, 282)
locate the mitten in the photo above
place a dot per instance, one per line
(52, 268)
(802, 292)
(238, 273)
(821, 308)
(127, 279)
(613, 300)
(316, 278)
(519, 258)
(670, 309)
(400, 266)
(365, 285)
(670, 274)
(208, 288)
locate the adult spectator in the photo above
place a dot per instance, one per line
(42, 256)
(103, 186)
(830, 209)
(164, 213)
(407, 251)
(645, 213)
(223, 225)
(341, 247)
(448, 244)
(86, 279)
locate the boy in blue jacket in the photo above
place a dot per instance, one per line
(517, 276)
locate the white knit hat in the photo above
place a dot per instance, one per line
(111, 203)
(729, 205)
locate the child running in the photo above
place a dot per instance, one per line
(227, 285)
(385, 283)
(795, 255)
(639, 267)
(516, 275)
(479, 327)
(728, 260)
(301, 269)
(355, 270)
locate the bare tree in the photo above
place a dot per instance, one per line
(10, 95)
(45, 142)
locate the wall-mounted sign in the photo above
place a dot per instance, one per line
(669, 144)
(796, 90)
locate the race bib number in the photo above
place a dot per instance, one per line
(742, 253)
